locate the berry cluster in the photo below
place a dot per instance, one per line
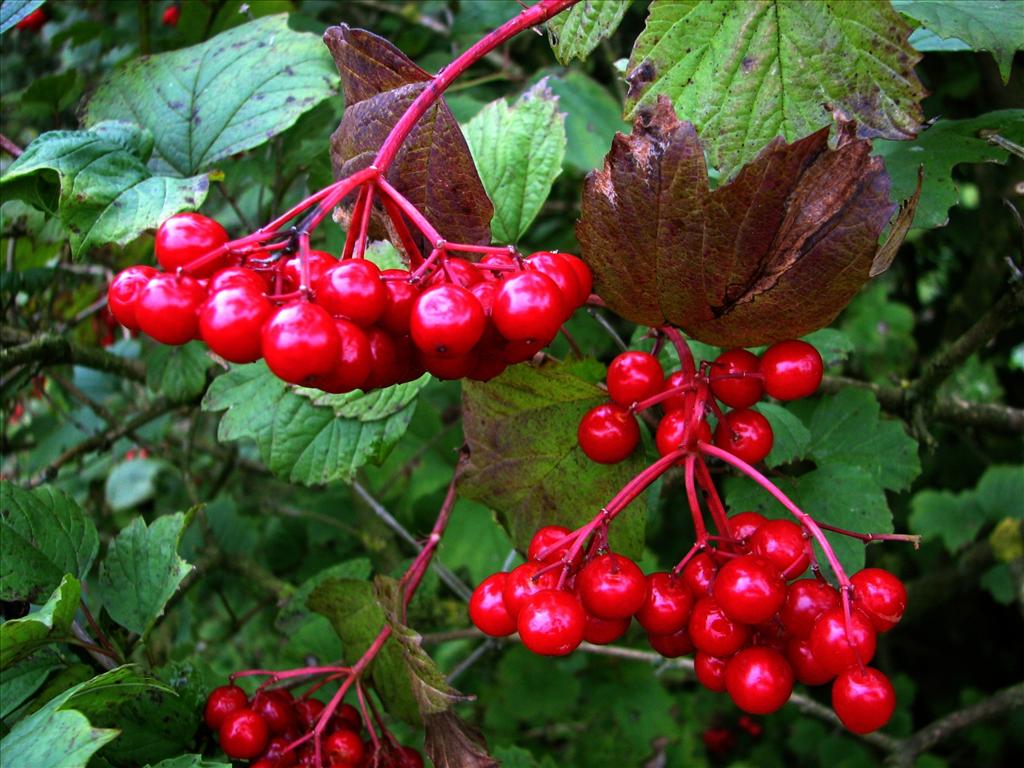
(345, 324)
(755, 626)
(788, 370)
(267, 729)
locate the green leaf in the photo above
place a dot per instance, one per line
(525, 462)
(353, 609)
(98, 183)
(189, 761)
(940, 149)
(142, 571)
(304, 441)
(592, 117)
(293, 611)
(745, 72)
(792, 438)
(474, 541)
(575, 33)
(518, 151)
(1000, 492)
(986, 25)
(52, 622)
(178, 372)
(954, 519)
(43, 535)
(13, 11)
(846, 428)
(23, 679)
(925, 40)
(229, 94)
(131, 483)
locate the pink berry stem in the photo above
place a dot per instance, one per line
(304, 287)
(694, 501)
(414, 213)
(402, 230)
(683, 349)
(714, 501)
(355, 223)
(869, 537)
(364, 227)
(662, 396)
(487, 250)
(427, 266)
(283, 675)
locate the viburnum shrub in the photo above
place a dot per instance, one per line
(649, 453)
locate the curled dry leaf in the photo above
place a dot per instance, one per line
(434, 167)
(774, 253)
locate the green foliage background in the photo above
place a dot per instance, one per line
(194, 510)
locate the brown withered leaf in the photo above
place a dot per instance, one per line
(774, 253)
(434, 167)
(450, 742)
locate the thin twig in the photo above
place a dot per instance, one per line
(10, 147)
(51, 349)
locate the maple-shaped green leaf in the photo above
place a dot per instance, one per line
(774, 253)
(178, 372)
(792, 438)
(44, 535)
(847, 428)
(576, 32)
(518, 151)
(940, 148)
(996, 26)
(13, 11)
(433, 168)
(96, 181)
(143, 570)
(226, 95)
(307, 436)
(747, 71)
(52, 622)
(525, 462)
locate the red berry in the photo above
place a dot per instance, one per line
(348, 717)
(806, 600)
(301, 343)
(634, 376)
(276, 708)
(864, 700)
(699, 574)
(230, 322)
(243, 734)
(791, 370)
(185, 237)
(495, 267)
(168, 308)
(562, 274)
(759, 680)
(408, 758)
(385, 366)
(713, 632)
(881, 596)
(710, 671)
(344, 746)
(584, 277)
(354, 362)
(608, 433)
(523, 582)
(171, 15)
(831, 646)
(353, 289)
(222, 702)
(673, 645)
(277, 754)
(603, 631)
(718, 741)
(449, 368)
(745, 434)
(783, 543)
(666, 609)
(487, 367)
(446, 320)
(612, 586)
(33, 22)
(318, 262)
(672, 431)
(307, 711)
(123, 294)
(457, 271)
(487, 607)
(552, 622)
(677, 402)
(236, 277)
(749, 589)
(529, 306)
(546, 537)
(401, 296)
(741, 391)
(806, 667)
(743, 525)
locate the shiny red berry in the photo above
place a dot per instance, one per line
(864, 700)
(33, 22)
(236, 277)
(743, 525)
(344, 746)
(611, 586)
(745, 434)
(487, 608)
(352, 289)
(171, 15)
(307, 712)
(243, 734)
(791, 370)
(523, 582)
(758, 680)
(529, 306)
(348, 717)
(221, 702)
(603, 631)
(446, 320)
(608, 433)
(710, 671)
(168, 308)
(783, 543)
(584, 277)
(749, 589)
(806, 600)
(230, 322)
(457, 271)
(300, 343)
(666, 609)
(672, 645)
(123, 294)
(713, 632)
(185, 237)
(735, 378)
(834, 648)
(806, 667)
(699, 574)
(401, 296)
(562, 274)
(881, 596)
(552, 623)
(276, 708)
(671, 433)
(354, 362)
(678, 401)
